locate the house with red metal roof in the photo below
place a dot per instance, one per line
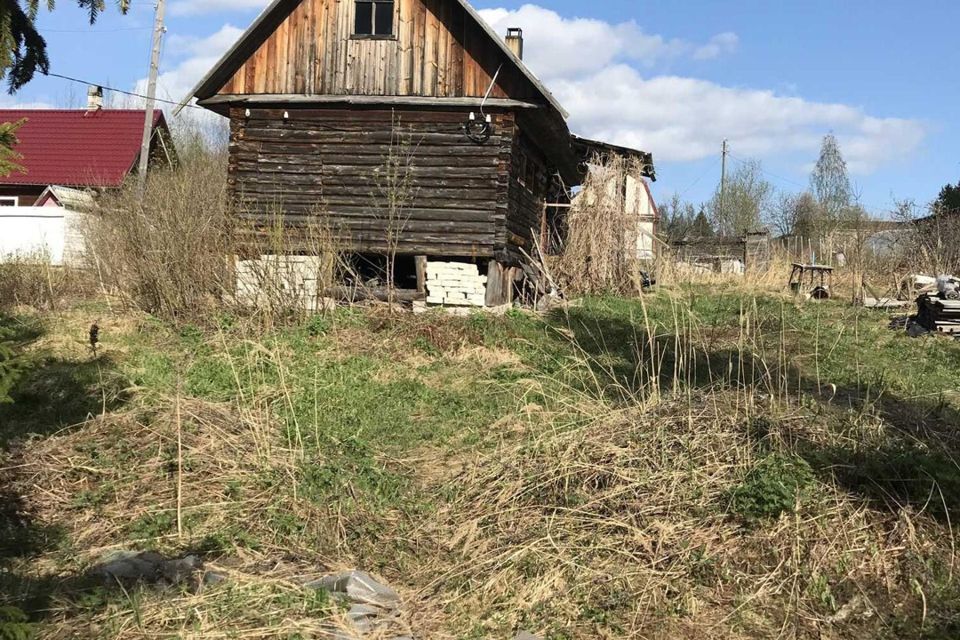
(93, 149)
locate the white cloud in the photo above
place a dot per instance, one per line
(720, 44)
(195, 58)
(559, 47)
(198, 7)
(9, 102)
(606, 76)
(594, 70)
(684, 119)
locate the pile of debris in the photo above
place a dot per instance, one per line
(940, 310)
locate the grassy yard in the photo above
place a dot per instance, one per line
(722, 465)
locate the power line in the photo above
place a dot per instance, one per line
(126, 93)
(803, 186)
(709, 169)
(772, 175)
(96, 31)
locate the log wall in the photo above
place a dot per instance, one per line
(529, 179)
(340, 166)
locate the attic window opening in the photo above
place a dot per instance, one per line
(374, 19)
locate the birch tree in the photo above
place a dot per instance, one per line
(830, 182)
(746, 201)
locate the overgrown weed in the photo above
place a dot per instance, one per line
(680, 464)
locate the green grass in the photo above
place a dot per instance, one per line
(366, 414)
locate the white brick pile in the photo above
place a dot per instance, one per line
(274, 279)
(457, 284)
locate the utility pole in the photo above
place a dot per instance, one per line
(723, 179)
(158, 31)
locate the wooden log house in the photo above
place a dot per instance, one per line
(330, 101)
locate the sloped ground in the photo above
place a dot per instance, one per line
(682, 466)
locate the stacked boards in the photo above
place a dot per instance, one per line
(939, 315)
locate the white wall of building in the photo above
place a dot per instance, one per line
(45, 233)
(640, 204)
(637, 203)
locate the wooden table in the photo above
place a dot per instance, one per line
(812, 272)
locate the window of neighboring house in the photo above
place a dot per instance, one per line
(374, 18)
(9, 201)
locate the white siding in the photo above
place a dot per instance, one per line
(45, 233)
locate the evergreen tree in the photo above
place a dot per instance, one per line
(9, 157)
(701, 227)
(23, 51)
(949, 199)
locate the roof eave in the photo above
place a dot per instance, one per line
(585, 147)
(513, 57)
(205, 87)
(202, 90)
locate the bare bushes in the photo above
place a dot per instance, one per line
(166, 251)
(177, 251)
(600, 255)
(935, 240)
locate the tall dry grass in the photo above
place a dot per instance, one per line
(679, 502)
(32, 281)
(599, 255)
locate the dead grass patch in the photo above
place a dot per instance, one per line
(627, 524)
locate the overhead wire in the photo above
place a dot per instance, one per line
(711, 167)
(772, 175)
(115, 90)
(797, 184)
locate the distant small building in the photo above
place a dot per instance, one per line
(91, 148)
(726, 254)
(617, 182)
(66, 197)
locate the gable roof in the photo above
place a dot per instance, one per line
(76, 199)
(76, 147)
(586, 148)
(270, 19)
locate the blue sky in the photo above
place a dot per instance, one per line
(671, 78)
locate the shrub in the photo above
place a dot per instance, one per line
(14, 624)
(772, 487)
(166, 250)
(171, 251)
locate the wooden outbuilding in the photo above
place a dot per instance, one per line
(366, 112)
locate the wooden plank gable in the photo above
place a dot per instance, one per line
(435, 52)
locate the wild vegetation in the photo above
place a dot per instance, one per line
(685, 464)
(712, 459)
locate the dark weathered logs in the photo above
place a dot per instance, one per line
(382, 294)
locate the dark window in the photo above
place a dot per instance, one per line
(374, 18)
